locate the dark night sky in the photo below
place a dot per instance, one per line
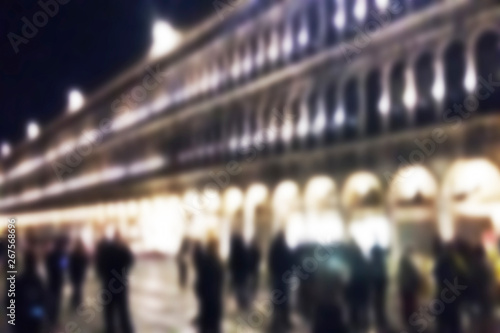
(83, 46)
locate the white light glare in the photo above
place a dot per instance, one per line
(75, 101)
(33, 130)
(5, 149)
(382, 4)
(165, 39)
(360, 9)
(470, 77)
(339, 19)
(339, 116)
(384, 104)
(410, 94)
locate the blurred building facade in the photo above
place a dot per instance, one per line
(333, 119)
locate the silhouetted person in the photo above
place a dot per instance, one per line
(481, 290)
(211, 288)
(253, 268)
(56, 266)
(238, 267)
(409, 284)
(114, 260)
(182, 263)
(30, 299)
(358, 289)
(328, 317)
(446, 271)
(78, 263)
(379, 285)
(198, 259)
(280, 262)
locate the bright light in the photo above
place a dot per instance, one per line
(287, 43)
(360, 9)
(5, 149)
(233, 200)
(273, 50)
(411, 180)
(410, 94)
(236, 68)
(75, 101)
(382, 4)
(339, 19)
(339, 117)
(303, 125)
(319, 189)
(359, 185)
(287, 131)
(33, 130)
(256, 194)
(438, 89)
(384, 104)
(470, 80)
(165, 39)
(320, 121)
(303, 36)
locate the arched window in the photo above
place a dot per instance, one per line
(454, 76)
(424, 77)
(334, 31)
(313, 21)
(350, 15)
(488, 65)
(330, 96)
(398, 115)
(352, 104)
(373, 96)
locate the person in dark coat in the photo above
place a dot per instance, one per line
(280, 261)
(446, 270)
(379, 285)
(78, 263)
(409, 282)
(182, 263)
(211, 290)
(114, 260)
(239, 269)
(56, 266)
(253, 268)
(30, 299)
(328, 317)
(358, 289)
(198, 259)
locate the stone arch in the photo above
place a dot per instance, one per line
(471, 197)
(364, 209)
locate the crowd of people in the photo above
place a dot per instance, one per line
(333, 288)
(348, 290)
(47, 266)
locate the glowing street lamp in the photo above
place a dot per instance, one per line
(5, 149)
(75, 101)
(165, 39)
(33, 130)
